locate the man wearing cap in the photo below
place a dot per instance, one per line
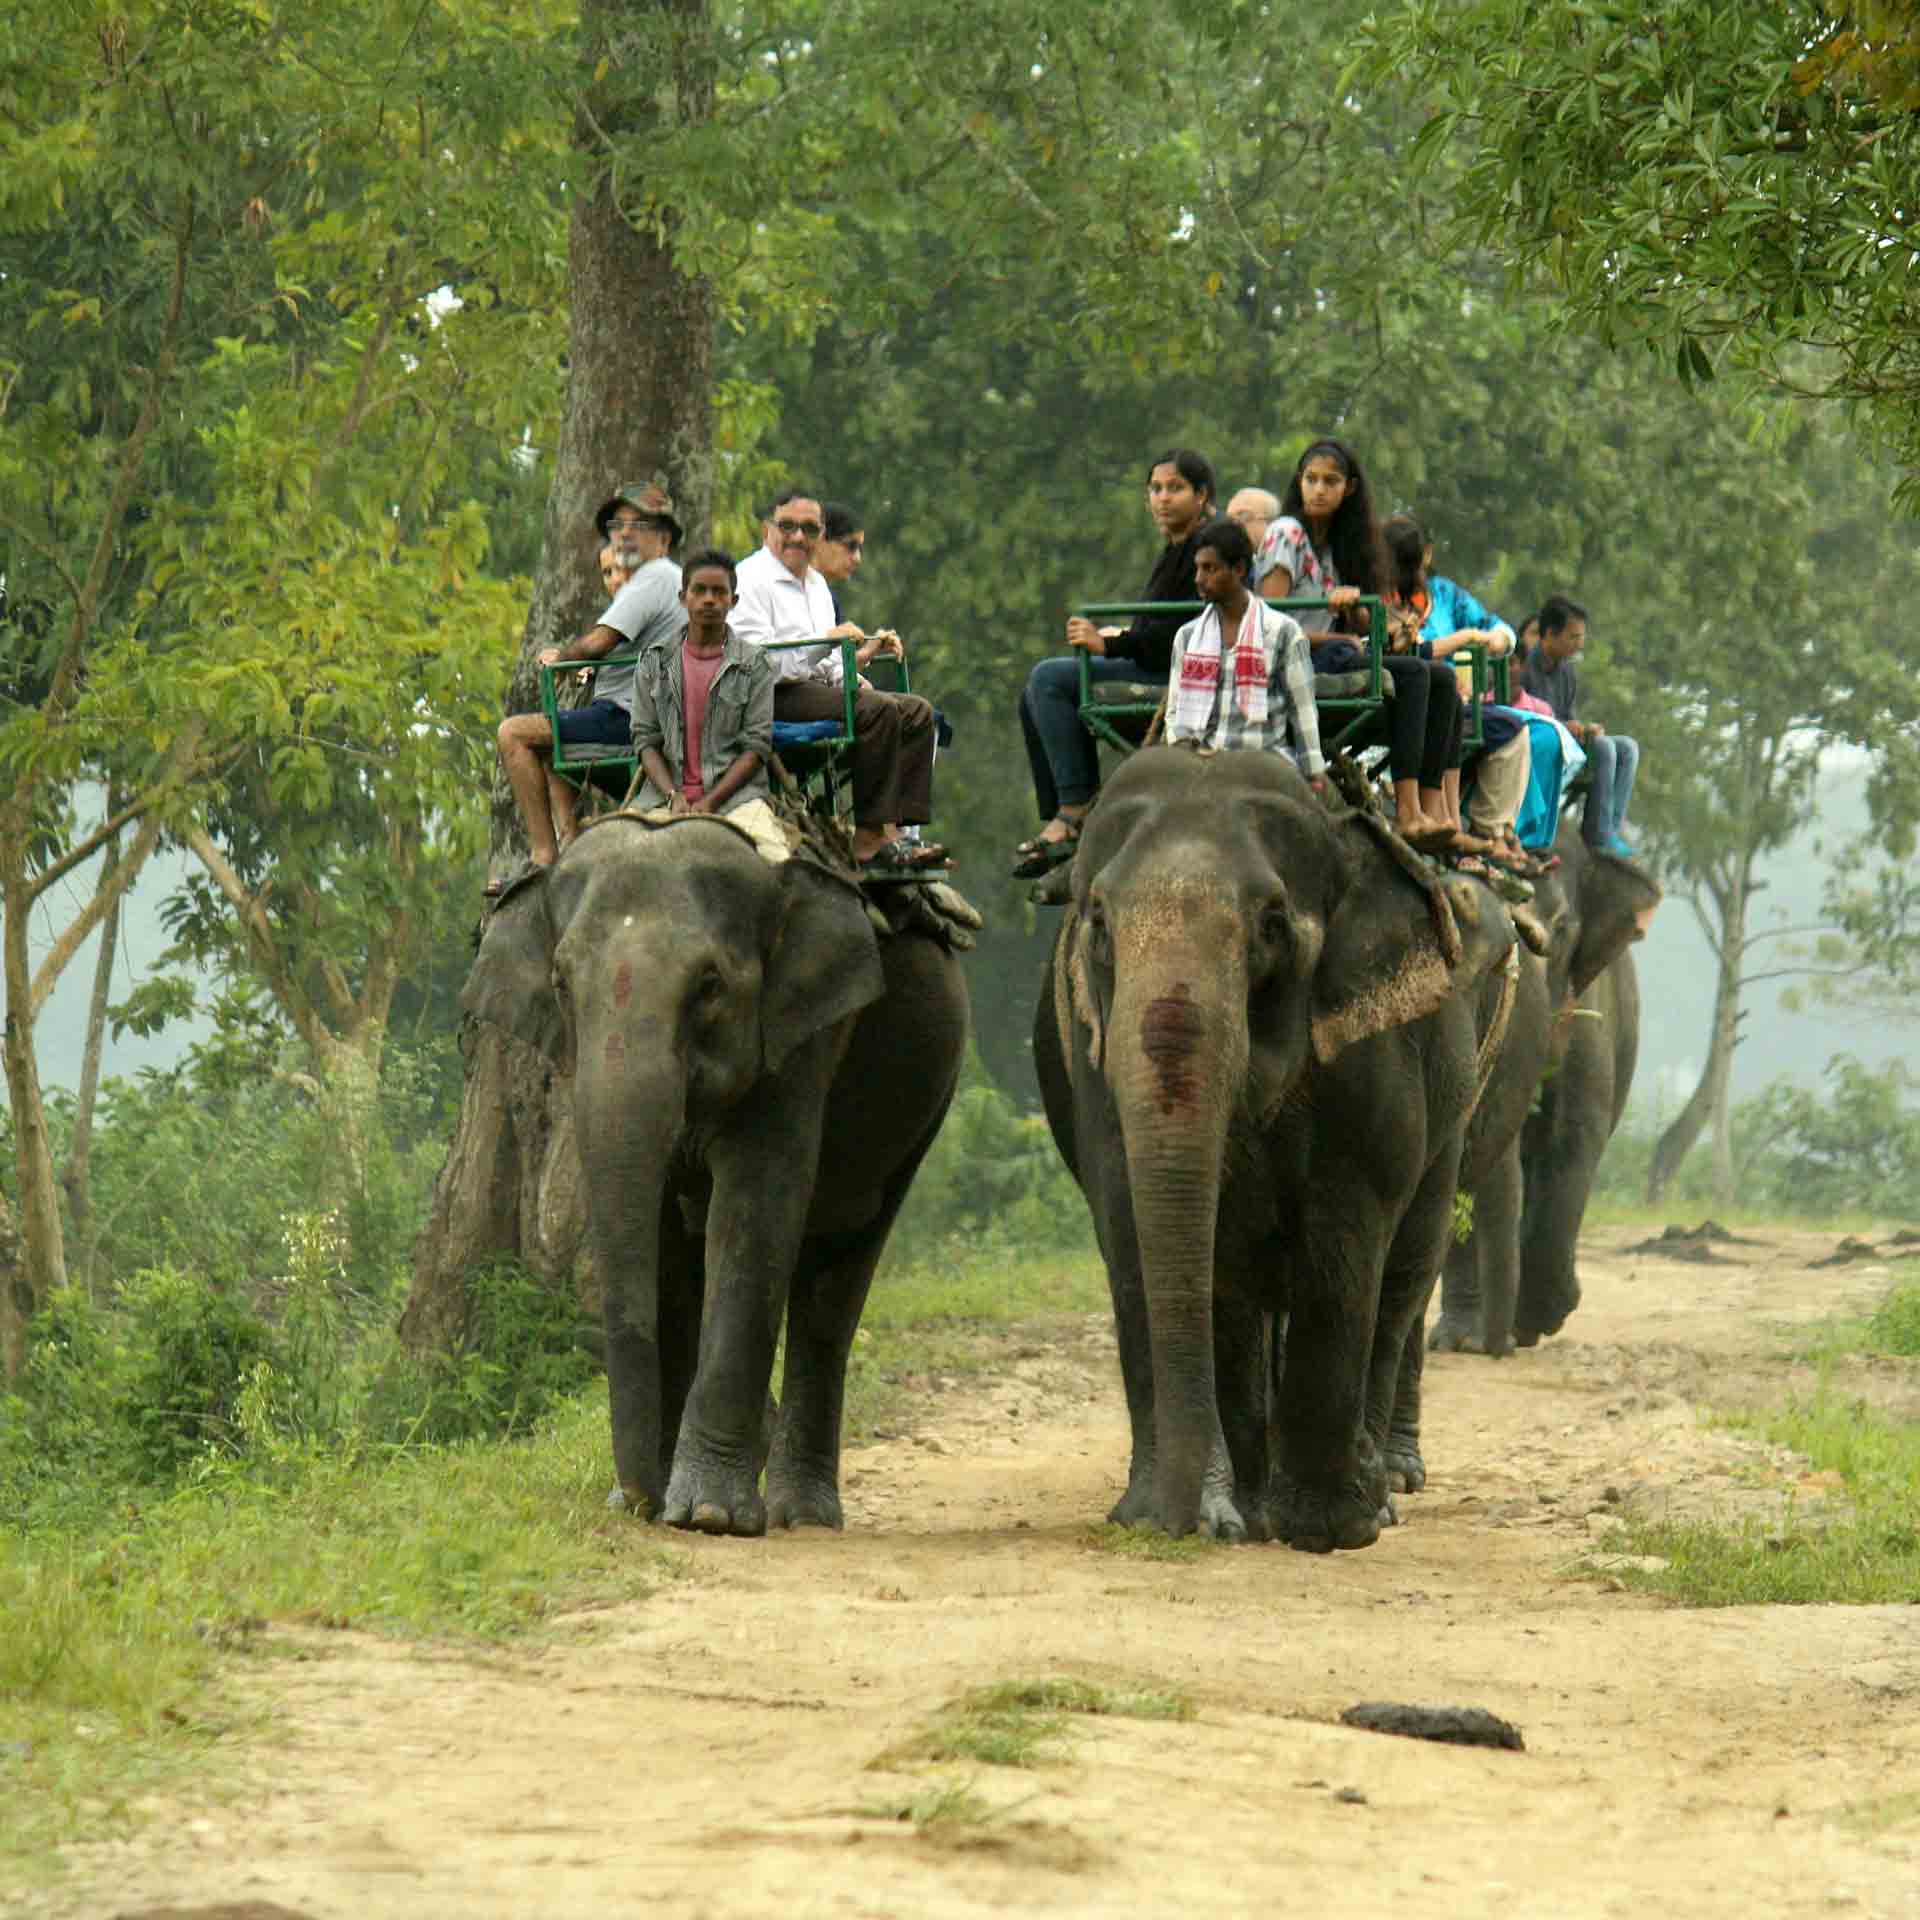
(638, 524)
(784, 597)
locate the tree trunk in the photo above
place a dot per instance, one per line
(638, 407)
(1709, 1101)
(74, 1176)
(40, 1266)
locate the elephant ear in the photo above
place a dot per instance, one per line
(1073, 996)
(1617, 901)
(511, 985)
(824, 965)
(1398, 943)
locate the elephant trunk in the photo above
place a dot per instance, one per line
(1176, 1059)
(629, 1133)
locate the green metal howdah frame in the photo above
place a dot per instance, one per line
(1356, 707)
(579, 763)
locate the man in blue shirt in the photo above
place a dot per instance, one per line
(1550, 674)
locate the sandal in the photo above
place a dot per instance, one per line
(1507, 884)
(506, 882)
(1041, 854)
(902, 856)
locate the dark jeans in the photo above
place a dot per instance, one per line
(1061, 752)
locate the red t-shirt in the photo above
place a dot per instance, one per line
(697, 675)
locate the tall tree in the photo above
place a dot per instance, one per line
(1704, 177)
(259, 278)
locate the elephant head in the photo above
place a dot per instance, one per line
(672, 973)
(1595, 905)
(1229, 938)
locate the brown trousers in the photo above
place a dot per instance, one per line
(892, 747)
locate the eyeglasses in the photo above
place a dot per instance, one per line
(808, 529)
(631, 524)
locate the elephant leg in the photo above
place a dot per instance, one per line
(1330, 1485)
(764, 1163)
(1399, 1358)
(1242, 1333)
(1406, 1469)
(1563, 1145)
(1496, 1232)
(1462, 1310)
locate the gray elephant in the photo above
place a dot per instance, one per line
(756, 1076)
(1514, 1279)
(1261, 1036)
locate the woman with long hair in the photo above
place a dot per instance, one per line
(1060, 751)
(1326, 544)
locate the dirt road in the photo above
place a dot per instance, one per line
(712, 1750)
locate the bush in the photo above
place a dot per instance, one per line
(993, 1173)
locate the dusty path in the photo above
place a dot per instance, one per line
(709, 1751)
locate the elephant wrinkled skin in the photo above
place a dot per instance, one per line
(1513, 1280)
(1259, 1043)
(756, 1077)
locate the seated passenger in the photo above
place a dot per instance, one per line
(1060, 752)
(638, 524)
(1435, 617)
(1240, 675)
(783, 596)
(703, 711)
(1326, 546)
(1551, 675)
(1256, 509)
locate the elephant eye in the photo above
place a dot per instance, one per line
(1275, 927)
(709, 987)
(1099, 936)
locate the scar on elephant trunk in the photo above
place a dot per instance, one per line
(1171, 1033)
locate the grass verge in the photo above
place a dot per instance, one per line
(1020, 1722)
(925, 1322)
(1860, 1549)
(111, 1658)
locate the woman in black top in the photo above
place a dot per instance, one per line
(1065, 762)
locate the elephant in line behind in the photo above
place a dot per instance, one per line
(1514, 1279)
(1262, 1033)
(756, 1076)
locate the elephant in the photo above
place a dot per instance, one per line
(1513, 1280)
(756, 1076)
(1260, 1037)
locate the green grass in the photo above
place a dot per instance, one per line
(1148, 1543)
(111, 1654)
(1895, 1326)
(123, 1612)
(1858, 1550)
(1020, 1722)
(925, 1321)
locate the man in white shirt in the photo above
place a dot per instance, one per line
(783, 596)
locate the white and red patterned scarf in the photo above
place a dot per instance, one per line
(1192, 711)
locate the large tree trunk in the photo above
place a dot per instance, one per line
(638, 407)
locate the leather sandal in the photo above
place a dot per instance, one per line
(1041, 855)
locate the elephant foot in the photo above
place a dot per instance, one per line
(1220, 1516)
(643, 1503)
(803, 1500)
(1456, 1334)
(710, 1497)
(1317, 1517)
(1406, 1471)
